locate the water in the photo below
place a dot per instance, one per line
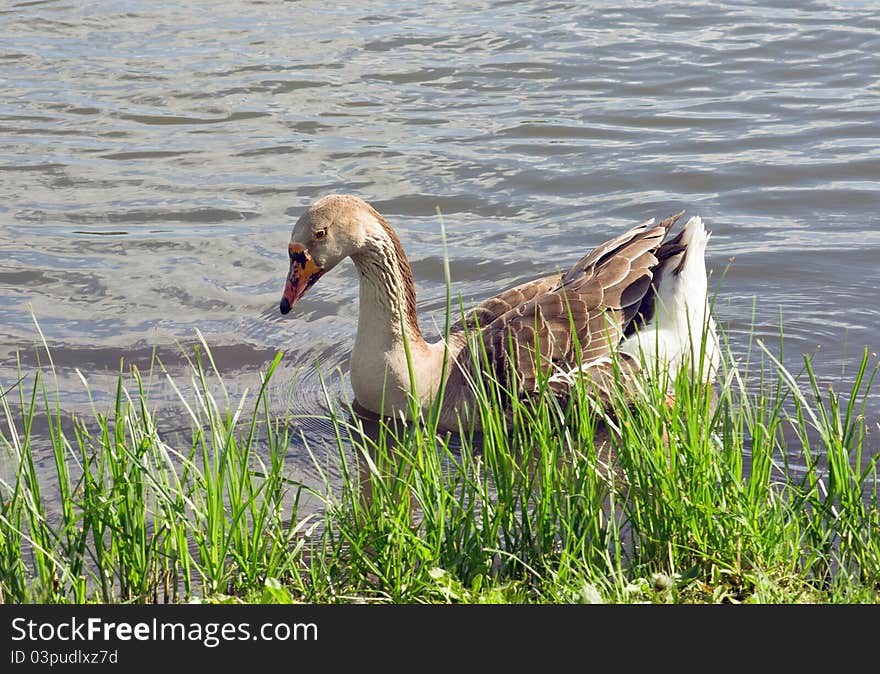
(153, 156)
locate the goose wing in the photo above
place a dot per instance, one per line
(588, 307)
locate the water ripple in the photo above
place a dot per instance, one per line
(154, 156)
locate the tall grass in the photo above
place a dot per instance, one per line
(765, 491)
(144, 516)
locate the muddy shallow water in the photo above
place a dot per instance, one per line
(153, 156)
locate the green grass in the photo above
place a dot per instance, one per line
(768, 494)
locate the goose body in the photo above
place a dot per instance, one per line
(642, 295)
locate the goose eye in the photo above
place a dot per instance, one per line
(319, 234)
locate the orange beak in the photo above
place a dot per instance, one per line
(302, 276)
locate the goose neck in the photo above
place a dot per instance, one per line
(387, 291)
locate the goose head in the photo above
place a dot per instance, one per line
(333, 228)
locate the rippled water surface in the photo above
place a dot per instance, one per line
(153, 156)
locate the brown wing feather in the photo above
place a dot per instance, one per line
(592, 304)
(488, 310)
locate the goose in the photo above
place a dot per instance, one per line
(641, 296)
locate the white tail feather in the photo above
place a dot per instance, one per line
(681, 316)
